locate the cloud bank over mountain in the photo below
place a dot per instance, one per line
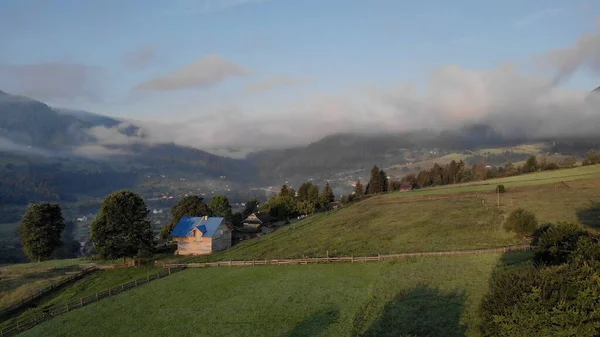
(517, 104)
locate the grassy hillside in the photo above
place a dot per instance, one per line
(95, 282)
(447, 218)
(436, 295)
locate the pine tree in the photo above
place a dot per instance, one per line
(284, 191)
(40, 230)
(327, 195)
(375, 181)
(359, 190)
(384, 181)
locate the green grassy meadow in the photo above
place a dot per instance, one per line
(89, 285)
(447, 218)
(419, 296)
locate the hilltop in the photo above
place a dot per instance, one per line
(445, 218)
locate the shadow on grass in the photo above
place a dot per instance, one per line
(314, 324)
(421, 311)
(590, 216)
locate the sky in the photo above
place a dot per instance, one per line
(250, 74)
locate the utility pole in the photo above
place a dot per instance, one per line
(498, 191)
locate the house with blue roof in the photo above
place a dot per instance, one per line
(202, 235)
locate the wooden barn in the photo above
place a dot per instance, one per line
(201, 235)
(405, 187)
(260, 221)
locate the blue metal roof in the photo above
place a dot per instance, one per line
(208, 227)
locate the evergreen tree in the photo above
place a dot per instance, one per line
(286, 191)
(40, 230)
(121, 228)
(327, 195)
(191, 205)
(375, 181)
(359, 190)
(531, 165)
(384, 181)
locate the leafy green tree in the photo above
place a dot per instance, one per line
(553, 301)
(531, 165)
(327, 195)
(40, 230)
(191, 205)
(219, 206)
(280, 207)
(303, 191)
(521, 222)
(592, 157)
(359, 190)
(557, 242)
(121, 228)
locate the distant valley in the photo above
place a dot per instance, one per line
(55, 155)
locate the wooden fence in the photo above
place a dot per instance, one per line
(351, 259)
(42, 292)
(48, 313)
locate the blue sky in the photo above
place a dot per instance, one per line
(271, 55)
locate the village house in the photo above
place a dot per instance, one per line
(260, 222)
(201, 235)
(405, 187)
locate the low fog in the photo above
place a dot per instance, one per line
(516, 104)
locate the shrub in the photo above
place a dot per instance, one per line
(555, 301)
(500, 189)
(556, 243)
(521, 222)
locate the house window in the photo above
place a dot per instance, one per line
(194, 233)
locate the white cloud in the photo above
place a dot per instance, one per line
(585, 53)
(515, 103)
(205, 72)
(277, 81)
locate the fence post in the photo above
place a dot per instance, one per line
(148, 277)
(67, 311)
(81, 302)
(122, 287)
(169, 270)
(230, 262)
(136, 283)
(97, 297)
(378, 257)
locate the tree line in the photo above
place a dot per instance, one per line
(307, 200)
(460, 172)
